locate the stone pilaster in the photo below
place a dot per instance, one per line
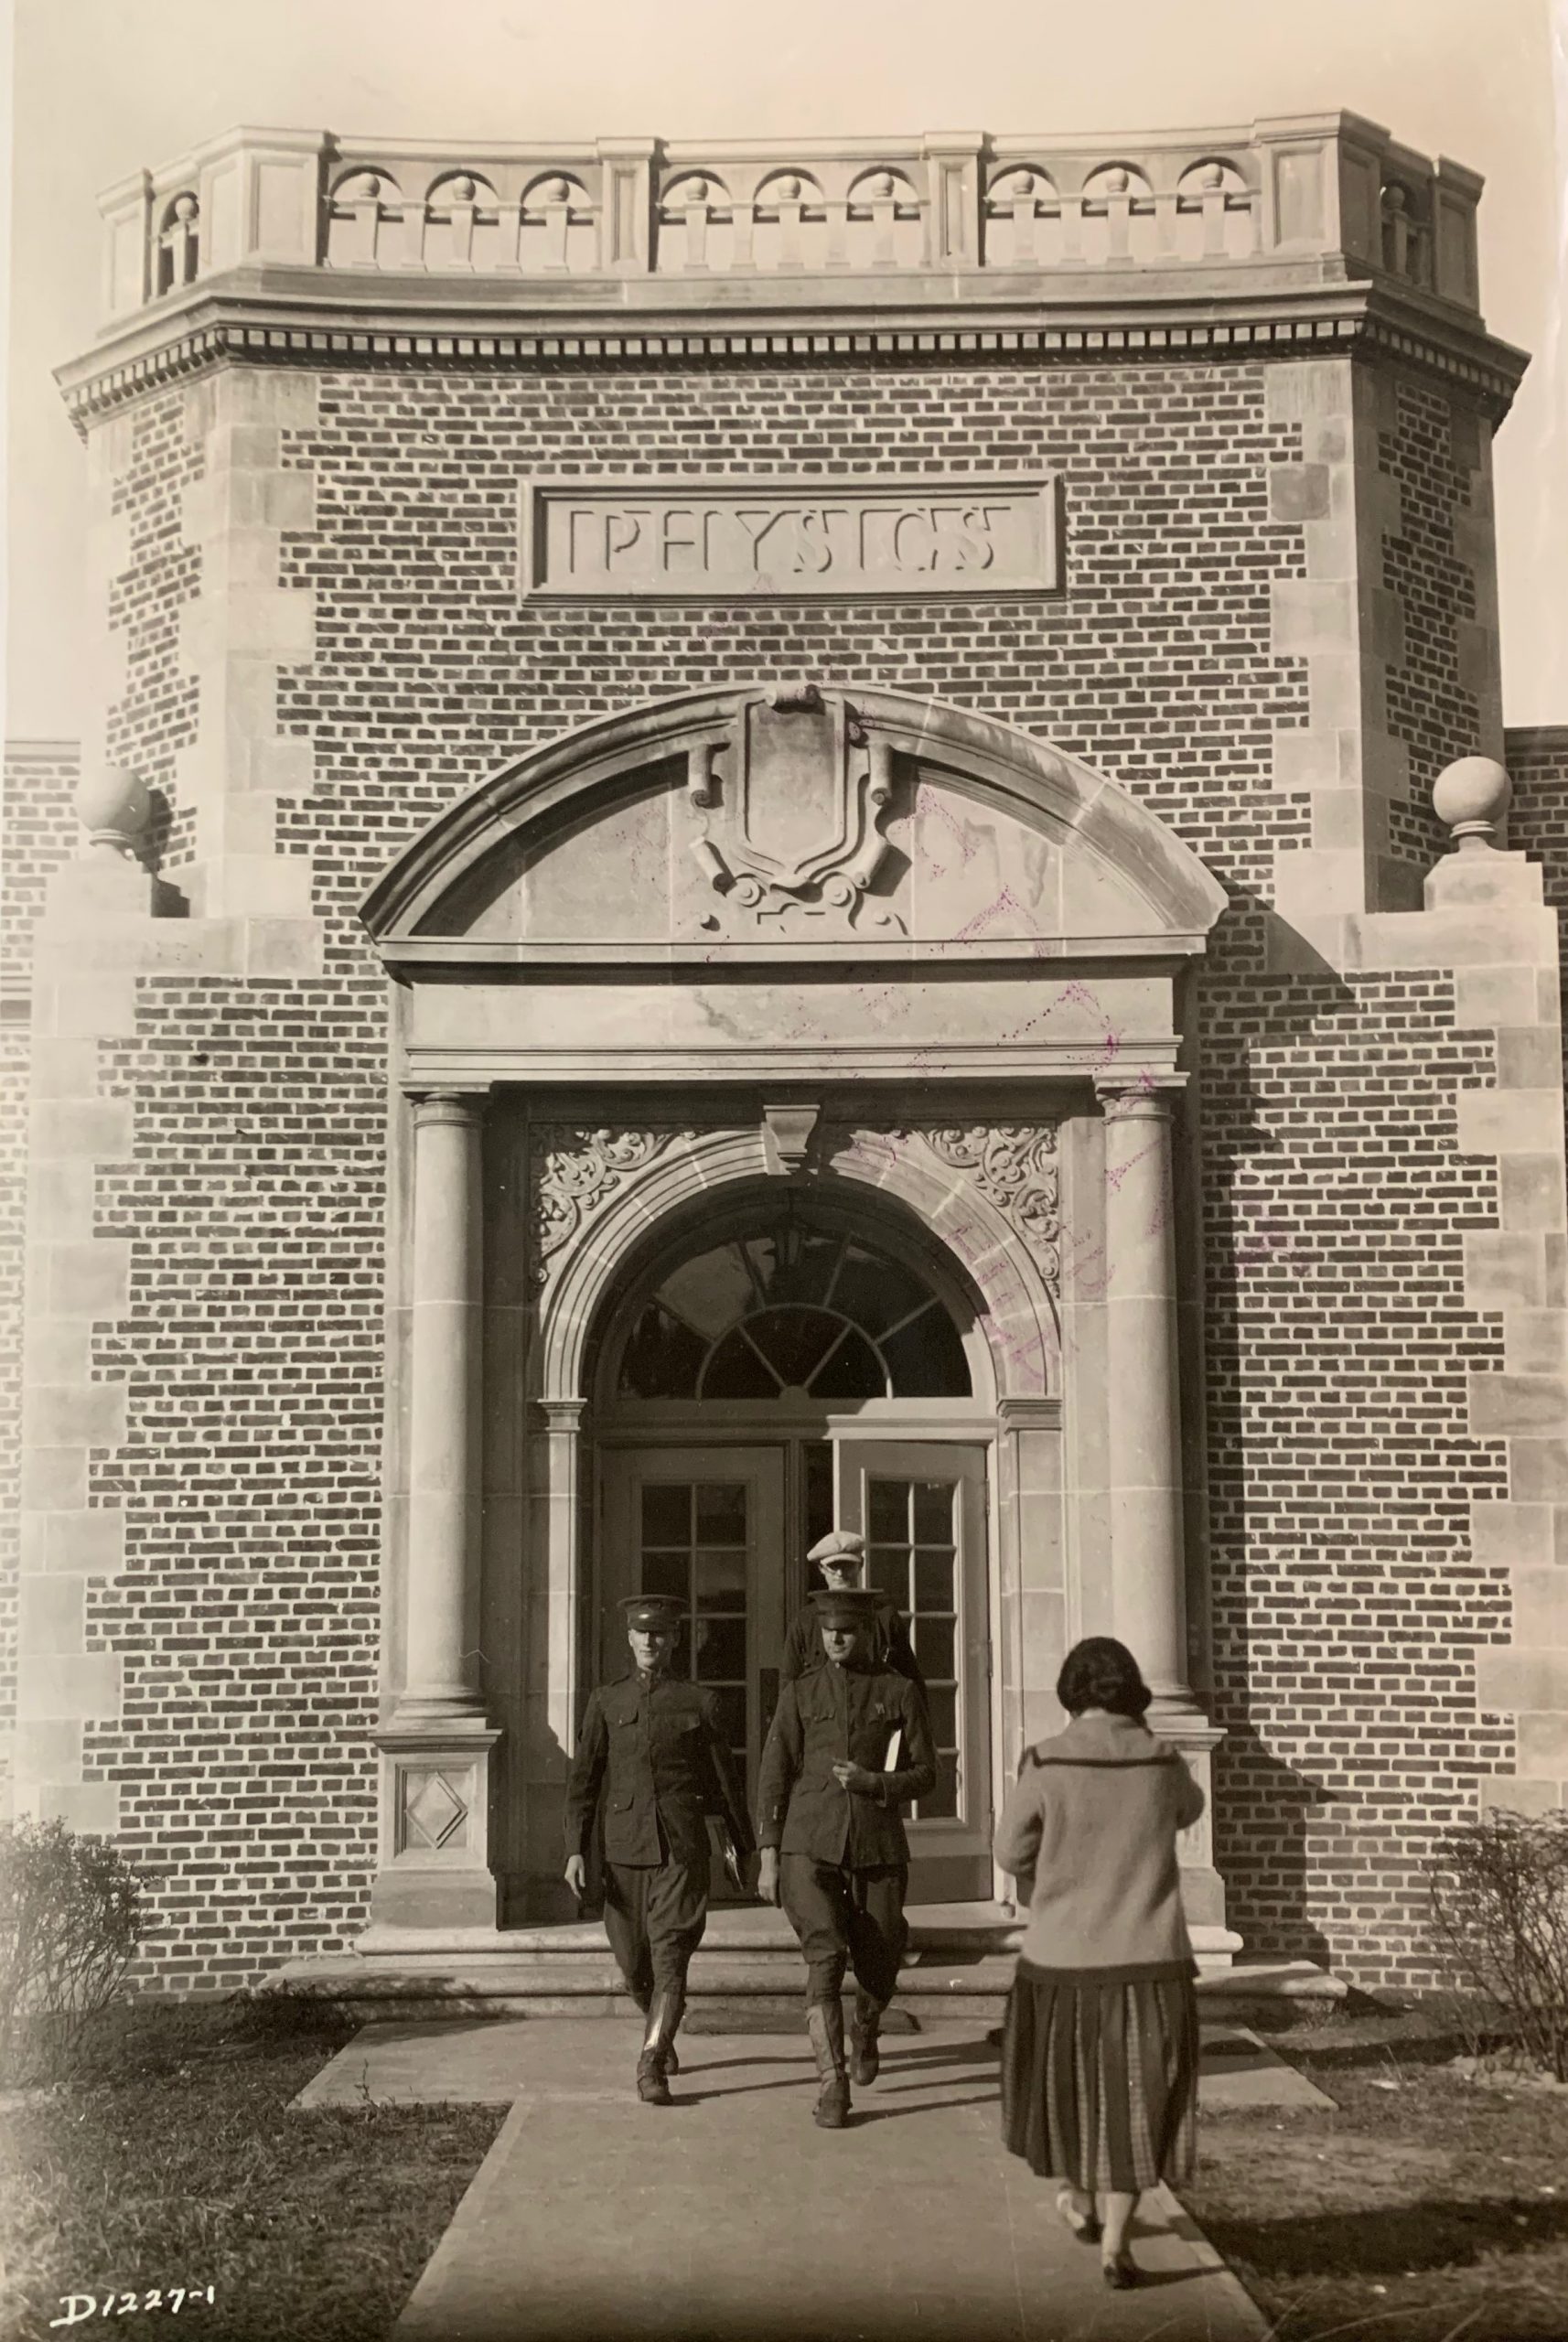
(1347, 626)
(243, 629)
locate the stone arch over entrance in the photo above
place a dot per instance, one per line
(887, 956)
(926, 1174)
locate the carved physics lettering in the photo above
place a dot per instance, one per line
(720, 540)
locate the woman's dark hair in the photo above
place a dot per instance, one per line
(1100, 1672)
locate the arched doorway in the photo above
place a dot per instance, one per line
(787, 1366)
(911, 970)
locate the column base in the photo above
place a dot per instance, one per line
(1186, 1726)
(434, 1866)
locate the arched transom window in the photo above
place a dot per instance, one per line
(795, 1313)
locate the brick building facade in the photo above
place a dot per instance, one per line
(702, 759)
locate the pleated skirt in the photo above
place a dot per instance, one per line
(1100, 2077)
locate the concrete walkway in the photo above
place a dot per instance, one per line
(730, 2218)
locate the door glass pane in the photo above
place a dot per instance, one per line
(922, 1578)
(721, 1513)
(934, 1648)
(933, 1512)
(888, 1574)
(721, 1580)
(665, 1573)
(710, 1582)
(888, 1513)
(719, 1649)
(666, 1514)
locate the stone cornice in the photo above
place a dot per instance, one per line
(241, 321)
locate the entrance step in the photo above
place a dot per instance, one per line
(747, 1973)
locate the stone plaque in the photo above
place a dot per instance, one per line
(818, 539)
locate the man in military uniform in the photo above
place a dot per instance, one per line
(650, 1754)
(850, 1744)
(841, 1556)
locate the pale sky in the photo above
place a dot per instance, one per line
(103, 86)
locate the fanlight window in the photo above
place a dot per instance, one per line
(794, 1314)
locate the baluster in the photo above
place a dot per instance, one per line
(1118, 215)
(415, 212)
(1072, 228)
(178, 245)
(789, 249)
(1212, 187)
(555, 209)
(742, 252)
(460, 203)
(363, 210)
(1165, 206)
(884, 214)
(698, 213)
(837, 209)
(1025, 251)
(1396, 231)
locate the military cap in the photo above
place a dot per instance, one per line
(660, 1612)
(850, 1606)
(840, 1546)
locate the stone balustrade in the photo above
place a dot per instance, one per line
(1327, 193)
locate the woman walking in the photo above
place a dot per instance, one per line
(1100, 2049)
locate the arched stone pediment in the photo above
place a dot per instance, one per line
(785, 817)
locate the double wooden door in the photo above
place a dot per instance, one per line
(706, 1526)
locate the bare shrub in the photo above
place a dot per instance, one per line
(1498, 1900)
(73, 1912)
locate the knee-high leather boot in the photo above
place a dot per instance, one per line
(652, 2067)
(824, 2023)
(865, 2061)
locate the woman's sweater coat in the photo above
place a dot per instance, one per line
(1094, 1815)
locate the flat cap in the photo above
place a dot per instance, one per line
(839, 1545)
(660, 1611)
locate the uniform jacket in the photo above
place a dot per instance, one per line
(652, 1755)
(831, 1714)
(1095, 1813)
(890, 1645)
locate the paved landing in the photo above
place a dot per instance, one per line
(729, 2215)
(490, 2062)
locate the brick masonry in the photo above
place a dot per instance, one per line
(313, 645)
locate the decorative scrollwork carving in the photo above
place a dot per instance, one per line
(573, 1171)
(1014, 1166)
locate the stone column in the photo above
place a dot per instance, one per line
(434, 1872)
(1148, 1563)
(444, 1350)
(1148, 1582)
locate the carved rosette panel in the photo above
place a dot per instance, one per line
(1014, 1166)
(574, 1173)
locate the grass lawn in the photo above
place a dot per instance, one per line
(177, 2163)
(1422, 2207)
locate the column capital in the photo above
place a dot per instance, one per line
(1139, 1092)
(463, 1107)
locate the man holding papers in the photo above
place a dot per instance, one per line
(850, 1744)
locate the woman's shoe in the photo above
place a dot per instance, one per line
(1119, 2274)
(1083, 2224)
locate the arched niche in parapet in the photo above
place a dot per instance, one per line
(793, 821)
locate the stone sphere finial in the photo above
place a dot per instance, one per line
(1470, 797)
(113, 808)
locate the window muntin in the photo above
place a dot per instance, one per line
(793, 1313)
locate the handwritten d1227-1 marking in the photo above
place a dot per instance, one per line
(79, 2307)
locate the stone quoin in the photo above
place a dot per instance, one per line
(776, 835)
